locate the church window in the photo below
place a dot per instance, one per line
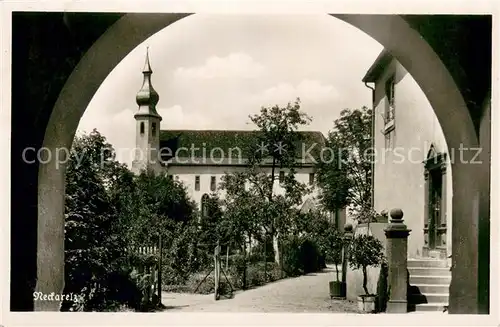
(204, 205)
(282, 176)
(197, 183)
(212, 184)
(311, 178)
(390, 107)
(142, 128)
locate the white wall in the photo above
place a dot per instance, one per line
(399, 169)
(187, 175)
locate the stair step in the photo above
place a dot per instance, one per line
(439, 280)
(427, 263)
(432, 288)
(431, 307)
(429, 271)
(429, 298)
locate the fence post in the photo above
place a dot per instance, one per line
(159, 267)
(217, 271)
(397, 257)
(244, 286)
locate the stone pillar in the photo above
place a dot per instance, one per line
(348, 234)
(397, 256)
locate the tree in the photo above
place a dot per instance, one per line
(168, 197)
(162, 206)
(334, 251)
(243, 207)
(317, 226)
(344, 176)
(365, 251)
(277, 145)
(109, 209)
(210, 218)
(94, 245)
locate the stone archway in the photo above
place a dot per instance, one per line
(393, 32)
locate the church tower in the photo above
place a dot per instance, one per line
(147, 125)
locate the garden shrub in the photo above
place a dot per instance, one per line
(273, 272)
(238, 270)
(205, 287)
(292, 256)
(255, 275)
(116, 290)
(208, 285)
(310, 256)
(183, 257)
(258, 251)
(301, 256)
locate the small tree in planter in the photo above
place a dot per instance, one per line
(365, 251)
(334, 253)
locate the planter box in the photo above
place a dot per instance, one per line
(337, 290)
(366, 303)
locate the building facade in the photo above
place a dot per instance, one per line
(412, 169)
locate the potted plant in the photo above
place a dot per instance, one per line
(365, 251)
(334, 254)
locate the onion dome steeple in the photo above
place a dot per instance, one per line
(147, 98)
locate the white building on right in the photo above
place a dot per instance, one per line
(412, 169)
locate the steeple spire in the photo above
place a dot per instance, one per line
(147, 98)
(147, 65)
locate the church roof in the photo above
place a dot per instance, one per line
(229, 144)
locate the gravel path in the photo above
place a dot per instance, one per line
(307, 293)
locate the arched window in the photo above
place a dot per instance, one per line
(204, 205)
(142, 128)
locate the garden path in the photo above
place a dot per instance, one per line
(309, 293)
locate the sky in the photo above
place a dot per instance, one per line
(213, 71)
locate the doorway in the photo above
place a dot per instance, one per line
(435, 228)
(435, 199)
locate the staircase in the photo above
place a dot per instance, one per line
(429, 284)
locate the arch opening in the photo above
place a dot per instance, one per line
(393, 32)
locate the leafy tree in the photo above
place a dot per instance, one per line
(365, 251)
(161, 206)
(317, 226)
(334, 247)
(182, 257)
(243, 209)
(209, 219)
(277, 146)
(93, 244)
(109, 209)
(344, 174)
(168, 197)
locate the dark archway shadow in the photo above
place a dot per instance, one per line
(414, 294)
(172, 307)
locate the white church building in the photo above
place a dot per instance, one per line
(200, 158)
